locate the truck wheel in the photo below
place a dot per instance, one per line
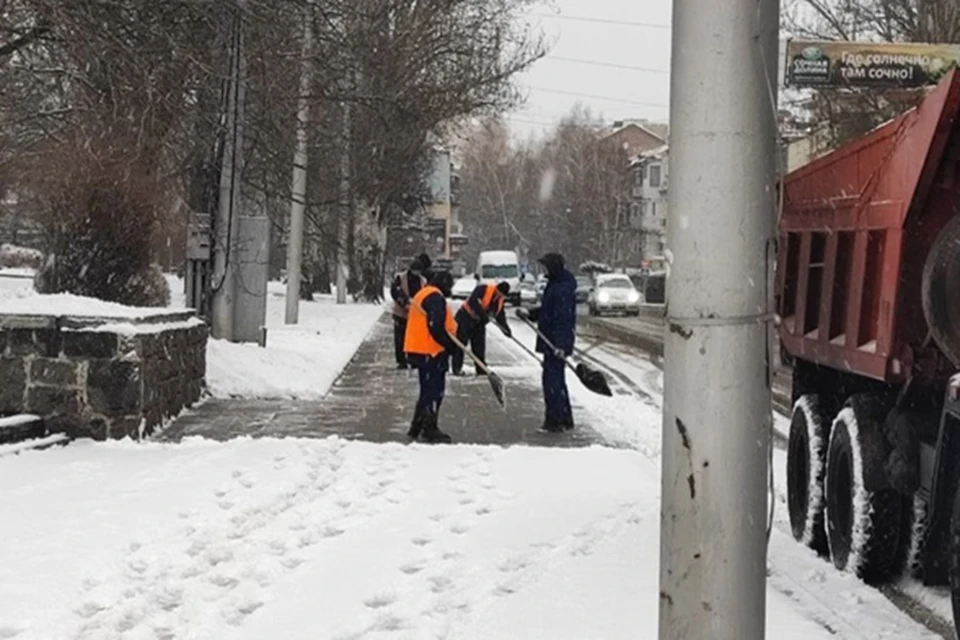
(867, 521)
(955, 561)
(806, 460)
(941, 280)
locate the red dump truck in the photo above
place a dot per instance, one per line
(868, 296)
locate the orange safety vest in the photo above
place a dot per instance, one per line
(486, 302)
(417, 339)
(398, 309)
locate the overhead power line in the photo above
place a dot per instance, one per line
(611, 21)
(612, 65)
(606, 98)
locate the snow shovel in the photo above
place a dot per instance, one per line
(592, 379)
(496, 382)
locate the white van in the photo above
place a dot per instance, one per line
(494, 267)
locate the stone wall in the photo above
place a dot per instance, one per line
(101, 378)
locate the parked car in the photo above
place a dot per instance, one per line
(584, 286)
(541, 287)
(614, 293)
(463, 287)
(528, 293)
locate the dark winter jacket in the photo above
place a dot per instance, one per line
(481, 315)
(557, 315)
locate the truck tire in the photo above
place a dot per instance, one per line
(955, 561)
(868, 522)
(941, 281)
(806, 461)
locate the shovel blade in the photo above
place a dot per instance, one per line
(593, 380)
(499, 390)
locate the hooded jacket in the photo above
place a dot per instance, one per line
(557, 315)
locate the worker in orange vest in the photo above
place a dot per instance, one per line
(485, 302)
(428, 346)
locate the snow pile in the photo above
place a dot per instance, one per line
(29, 302)
(12, 256)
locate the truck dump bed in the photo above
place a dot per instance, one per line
(855, 231)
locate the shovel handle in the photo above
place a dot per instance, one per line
(548, 343)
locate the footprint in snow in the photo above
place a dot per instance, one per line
(381, 600)
(421, 541)
(389, 623)
(440, 584)
(90, 609)
(467, 500)
(412, 569)
(459, 528)
(483, 511)
(331, 531)
(291, 562)
(436, 517)
(226, 505)
(220, 493)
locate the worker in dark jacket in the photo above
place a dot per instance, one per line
(405, 286)
(556, 317)
(428, 346)
(485, 302)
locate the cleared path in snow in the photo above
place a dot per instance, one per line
(373, 401)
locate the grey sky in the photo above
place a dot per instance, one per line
(602, 36)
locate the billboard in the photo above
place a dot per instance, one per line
(867, 64)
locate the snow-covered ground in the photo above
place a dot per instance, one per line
(300, 361)
(294, 538)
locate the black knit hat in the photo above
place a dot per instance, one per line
(504, 287)
(425, 261)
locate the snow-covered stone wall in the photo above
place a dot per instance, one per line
(101, 378)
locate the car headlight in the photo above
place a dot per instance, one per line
(603, 297)
(634, 297)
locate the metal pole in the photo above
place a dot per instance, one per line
(717, 412)
(299, 188)
(229, 210)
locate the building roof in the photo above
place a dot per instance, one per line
(657, 130)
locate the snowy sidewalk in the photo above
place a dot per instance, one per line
(373, 401)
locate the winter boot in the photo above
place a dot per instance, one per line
(417, 424)
(431, 432)
(552, 426)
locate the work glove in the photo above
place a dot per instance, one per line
(559, 353)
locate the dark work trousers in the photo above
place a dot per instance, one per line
(433, 384)
(399, 330)
(472, 333)
(555, 395)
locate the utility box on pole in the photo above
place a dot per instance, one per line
(717, 411)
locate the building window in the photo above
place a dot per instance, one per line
(638, 175)
(653, 209)
(654, 175)
(663, 223)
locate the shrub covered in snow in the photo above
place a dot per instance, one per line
(99, 210)
(14, 257)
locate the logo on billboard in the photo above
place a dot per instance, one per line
(862, 64)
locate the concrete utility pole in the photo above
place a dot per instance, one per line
(227, 222)
(299, 188)
(346, 206)
(716, 416)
